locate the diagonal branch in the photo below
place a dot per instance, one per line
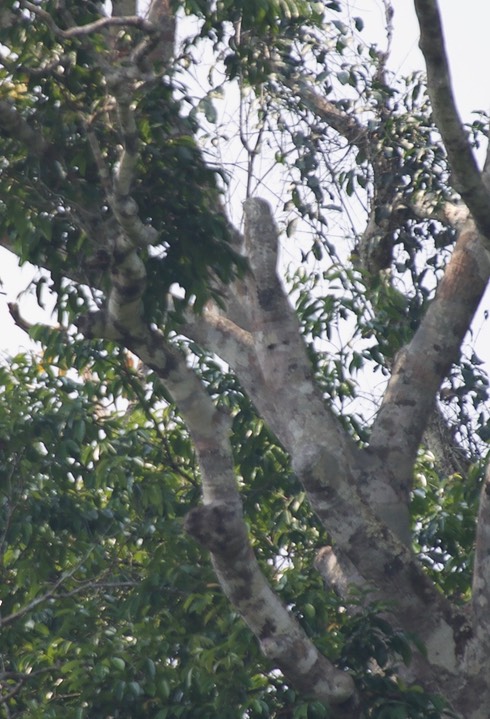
(467, 176)
(89, 28)
(348, 126)
(219, 524)
(51, 592)
(220, 527)
(421, 366)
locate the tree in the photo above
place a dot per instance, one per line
(344, 541)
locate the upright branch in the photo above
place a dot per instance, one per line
(277, 376)
(123, 205)
(479, 659)
(219, 525)
(467, 177)
(280, 348)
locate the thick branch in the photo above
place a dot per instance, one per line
(277, 377)
(467, 177)
(122, 203)
(124, 174)
(215, 332)
(161, 49)
(420, 367)
(281, 638)
(117, 187)
(480, 661)
(280, 349)
(346, 125)
(219, 525)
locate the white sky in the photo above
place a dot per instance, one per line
(466, 32)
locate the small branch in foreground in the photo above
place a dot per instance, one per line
(17, 318)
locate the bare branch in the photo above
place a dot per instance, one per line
(18, 319)
(467, 177)
(346, 125)
(420, 367)
(89, 28)
(217, 333)
(279, 345)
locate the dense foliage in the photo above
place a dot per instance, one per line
(108, 608)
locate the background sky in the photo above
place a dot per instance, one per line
(466, 32)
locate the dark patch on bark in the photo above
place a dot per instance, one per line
(215, 527)
(385, 532)
(441, 368)
(268, 630)
(461, 627)
(155, 367)
(242, 589)
(266, 298)
(393, 567)
(99, 262)
(171, 363)
(128, 290)
(421, 585)
(85, 323)
(463, 633)
(118, 256)
(408, 402)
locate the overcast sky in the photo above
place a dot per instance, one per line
(466, 31)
